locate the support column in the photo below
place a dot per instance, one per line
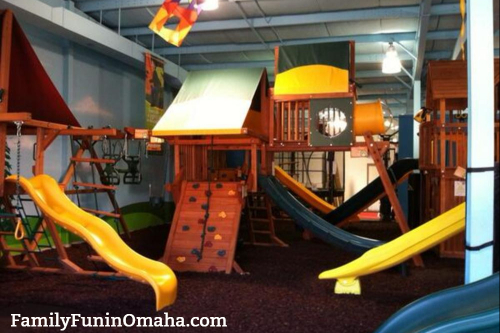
(417, 105)
(480, 185)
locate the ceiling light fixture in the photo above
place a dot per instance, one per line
(391, 63)
(209, 4)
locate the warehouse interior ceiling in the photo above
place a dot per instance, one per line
(243, 34)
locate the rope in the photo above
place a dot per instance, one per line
(207, 207)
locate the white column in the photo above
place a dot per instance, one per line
(480, 185)
(417, 105)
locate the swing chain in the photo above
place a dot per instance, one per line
(19, 231)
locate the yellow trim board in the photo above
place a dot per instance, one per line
(312, 79)
(56, 206)
(399, 250)
(302, 191)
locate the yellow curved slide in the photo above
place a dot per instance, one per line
(302, 191)
(56, 206)
(399, 250)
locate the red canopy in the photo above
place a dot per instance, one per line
(30, 88)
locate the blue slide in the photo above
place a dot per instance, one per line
(470, 308)
(312, 222)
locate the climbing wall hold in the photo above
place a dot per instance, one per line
(211, 229)
(223, 175)
(231, 193)
(185, 228)
(208, 193)
(181, 259)
(217, 237)
(196, 185)
(218, 185)
(222, 214)
(192, 199)
(221, 253)
(204, 206)
(208, 244)
(201, 221)
(195, 252)
(212, 269)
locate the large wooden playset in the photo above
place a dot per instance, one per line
(443, 143)
(312, 108)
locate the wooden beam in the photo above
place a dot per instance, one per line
(14, 116)
(389, 190)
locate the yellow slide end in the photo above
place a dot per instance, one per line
(303, 192)
(57, 207)
(399, 250)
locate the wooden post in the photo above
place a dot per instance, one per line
(40, 153)
(389, 190)
(254, 170)
(177, 159)
(442, 155)
(4, 84)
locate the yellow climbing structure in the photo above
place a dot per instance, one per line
(399, 250)
(57, 207)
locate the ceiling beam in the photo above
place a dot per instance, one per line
(303, 19)
(360, 58)
(422, 32)
(237, 47)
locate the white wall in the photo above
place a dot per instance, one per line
(100, 91)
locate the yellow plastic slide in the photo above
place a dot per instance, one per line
(302, 191)
(399, 250)
(56, 206)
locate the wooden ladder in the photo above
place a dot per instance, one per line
(86, 145)
(261, 219)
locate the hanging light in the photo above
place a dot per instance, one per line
(209, 4)
(392, 63)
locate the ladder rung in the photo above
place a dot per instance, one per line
(256, 208)
(93, 160)
(100, 212)
(97, 186)
(259, 220)
(85, 191)
(261, 232)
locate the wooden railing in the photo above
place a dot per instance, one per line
(291, 122)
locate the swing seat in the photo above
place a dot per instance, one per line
(132, 176)
(110, 176)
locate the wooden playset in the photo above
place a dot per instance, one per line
(312, 108)
(443, 143)
(35, 108)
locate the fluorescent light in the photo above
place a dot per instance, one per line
(392, 63)
(209, 5)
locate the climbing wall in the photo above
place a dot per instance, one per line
(187, 249)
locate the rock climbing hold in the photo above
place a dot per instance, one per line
(185, 228)
(192, 199)
(221, 253)
(211, 229)
(195, 252)
(196, 185)
(218, 185)
(231, 193)
(181, 259)
(201, 221)
(204, 206)
(208, 193)
(222, 215)
(212, 269)
(223, 175)
(208, 244)
(217, 237)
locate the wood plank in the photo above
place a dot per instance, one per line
(96, 186)
(93, 160)
(101, 212)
